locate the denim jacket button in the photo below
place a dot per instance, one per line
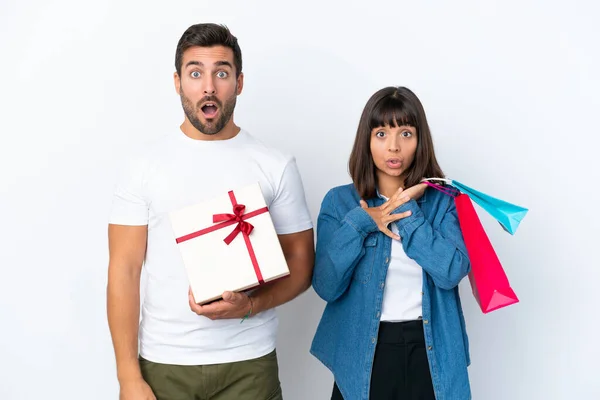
(430, 347)
(382, 285)
(425, 321)
(373, 340)
(378, 314)
(387, 260)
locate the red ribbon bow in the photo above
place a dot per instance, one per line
(242, 226)
(237, 216)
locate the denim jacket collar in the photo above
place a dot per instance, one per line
(379, 200)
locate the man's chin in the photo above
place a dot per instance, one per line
(208, 131)
(207, 128)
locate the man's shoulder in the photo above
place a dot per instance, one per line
(265, 152)
(152, 147)
(147, 150)
(137, 158)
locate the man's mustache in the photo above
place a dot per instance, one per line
(211, 99)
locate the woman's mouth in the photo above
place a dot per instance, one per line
(394, 163)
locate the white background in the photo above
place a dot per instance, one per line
(511, 91)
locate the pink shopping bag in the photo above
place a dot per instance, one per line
(489, 282)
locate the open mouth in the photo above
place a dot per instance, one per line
(209, 110)
(394, 163)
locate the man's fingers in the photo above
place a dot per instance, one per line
(210, 310)
(195, 307)
(233, 297)
(228, 297)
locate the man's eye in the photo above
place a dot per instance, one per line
(195, 74)
(222, 74)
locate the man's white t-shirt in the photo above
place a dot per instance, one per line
(178, 171)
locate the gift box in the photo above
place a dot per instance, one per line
(228, 243)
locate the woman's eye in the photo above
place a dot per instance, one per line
(407, 134)
(195, 74)
(380, 134)
(222, 74)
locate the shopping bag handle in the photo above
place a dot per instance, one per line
(449, 190)
(448, 181)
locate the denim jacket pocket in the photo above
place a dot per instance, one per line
(364, 269)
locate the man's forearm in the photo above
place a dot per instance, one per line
(286, 289)
(123, 306)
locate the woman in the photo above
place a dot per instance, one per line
(390, 256)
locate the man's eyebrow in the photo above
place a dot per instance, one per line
(198, 63)
(218, 63)
(221, 63)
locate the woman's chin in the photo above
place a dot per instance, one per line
(392, 173)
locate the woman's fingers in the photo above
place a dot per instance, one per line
(393, 204)
(391, 234)
(399, 216)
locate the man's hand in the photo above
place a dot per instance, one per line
(299, 251)
(233, 305)
(136, 389)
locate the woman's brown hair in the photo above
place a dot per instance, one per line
(392, 106)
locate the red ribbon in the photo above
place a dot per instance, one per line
(237, 216)
(245, 228)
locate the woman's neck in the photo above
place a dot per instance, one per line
(388, 185)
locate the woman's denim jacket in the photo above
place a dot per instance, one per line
(352, 259)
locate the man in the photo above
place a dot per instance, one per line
(188, 351)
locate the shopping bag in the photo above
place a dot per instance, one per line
(508, 215)
(489, 283)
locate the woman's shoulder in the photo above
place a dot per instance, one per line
(437, 201)
(342, 196)
(347, 190)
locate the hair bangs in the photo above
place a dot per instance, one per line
(394, 112)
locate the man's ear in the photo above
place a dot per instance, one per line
(177, 82)
(240, 83)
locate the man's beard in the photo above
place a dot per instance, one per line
(212, 127)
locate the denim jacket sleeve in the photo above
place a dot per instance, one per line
(339, 247)
(442, 252)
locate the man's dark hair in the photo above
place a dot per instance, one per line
(208, 35)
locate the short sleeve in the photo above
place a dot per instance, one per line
(288, 209)
(130, 205)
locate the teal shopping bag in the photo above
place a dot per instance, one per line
(508, 215)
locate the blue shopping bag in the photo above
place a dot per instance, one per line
(508, 215)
